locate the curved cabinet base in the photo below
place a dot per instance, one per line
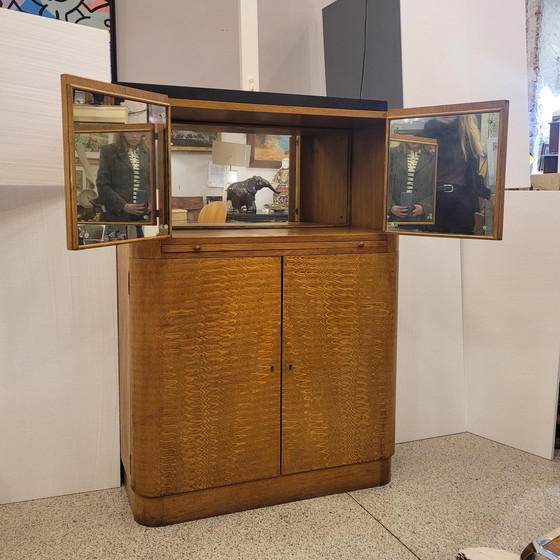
(177, 508)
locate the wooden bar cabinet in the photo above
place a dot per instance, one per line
(257, 361)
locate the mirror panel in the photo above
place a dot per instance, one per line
(116, 165)
(104, 157)
(249, 172)
(445, 174)
(411, 203)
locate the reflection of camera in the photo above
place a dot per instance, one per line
(143, 197)
(406, 200)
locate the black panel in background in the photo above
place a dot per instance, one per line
(362, 42)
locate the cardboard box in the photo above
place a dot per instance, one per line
(179, 215)
(546, 182)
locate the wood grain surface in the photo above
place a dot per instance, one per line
(338, 360)
(205, 363)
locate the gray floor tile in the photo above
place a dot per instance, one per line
(464, 491)
(446, 494)
(99, 525)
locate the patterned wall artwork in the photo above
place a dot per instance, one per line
(95, 13)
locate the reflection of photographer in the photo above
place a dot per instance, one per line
(123, 179)
(459, 182)
(411, 182)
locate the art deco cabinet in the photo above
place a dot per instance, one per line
(257, 359)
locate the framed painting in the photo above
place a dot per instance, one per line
(190, 140)
(268, 150)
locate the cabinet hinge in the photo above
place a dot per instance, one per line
(129, 282)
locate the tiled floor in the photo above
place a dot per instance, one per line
(447, 493)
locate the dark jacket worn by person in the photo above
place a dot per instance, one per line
(422, 184)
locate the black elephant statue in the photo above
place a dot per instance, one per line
(243, 193)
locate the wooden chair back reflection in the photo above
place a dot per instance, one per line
(213, 213)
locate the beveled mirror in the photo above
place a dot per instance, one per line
(116, 165)
(249, 173)
(446, 171)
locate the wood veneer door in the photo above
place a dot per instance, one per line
(338, 380)
(205, 364)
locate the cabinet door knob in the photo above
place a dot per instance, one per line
(197, 248)
(361, 244)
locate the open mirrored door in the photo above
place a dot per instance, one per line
(116, 153)
(446, 170)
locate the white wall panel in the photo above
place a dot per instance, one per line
(430, 372)
(30, 93)
(58, 336)
(291, 46)
(457, 52)
(178, 42)
(512, 326)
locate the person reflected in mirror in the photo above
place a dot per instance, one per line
(411, 182)
(123, 178)
(459, 183)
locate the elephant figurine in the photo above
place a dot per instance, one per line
(243, 193)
